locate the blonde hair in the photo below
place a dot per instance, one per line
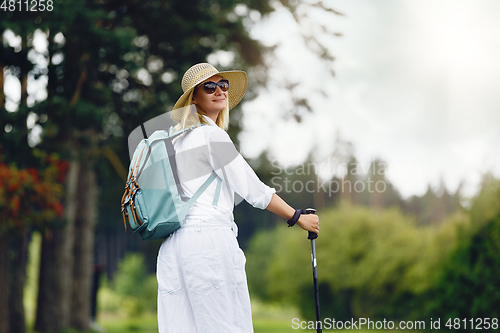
(188, 118)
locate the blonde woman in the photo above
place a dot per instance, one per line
(202, 284)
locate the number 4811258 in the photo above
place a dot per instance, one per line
(474, 324)
(27, 5)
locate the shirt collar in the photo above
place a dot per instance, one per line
(209, 120)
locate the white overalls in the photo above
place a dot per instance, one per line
(202, 286)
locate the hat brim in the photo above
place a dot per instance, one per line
(238, 83)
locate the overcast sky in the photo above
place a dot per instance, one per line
(417, 84)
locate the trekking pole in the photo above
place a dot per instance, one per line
(312, 236)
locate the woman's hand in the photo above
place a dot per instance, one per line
(309, 222)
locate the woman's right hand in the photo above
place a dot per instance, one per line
(309, 222)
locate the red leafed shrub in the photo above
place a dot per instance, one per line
(31, 197)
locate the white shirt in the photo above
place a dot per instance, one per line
(209, 148)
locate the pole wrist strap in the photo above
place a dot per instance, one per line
(295, 217)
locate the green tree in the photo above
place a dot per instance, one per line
(434, 206)
(109, 66)
(136, 289)
(29, 200)
(468, 286)
(468, 282)
(371, 263)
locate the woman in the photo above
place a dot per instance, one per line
(202, 283)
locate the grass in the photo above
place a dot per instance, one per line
(114, 323)
(148, 325)
(266, 319)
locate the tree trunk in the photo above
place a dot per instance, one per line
(83, 251)
(4, 286)
(2, 93)
(56, 266)
(17, 277)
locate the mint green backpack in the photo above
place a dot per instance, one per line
(152, 204)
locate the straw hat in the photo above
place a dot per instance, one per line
(199, 73)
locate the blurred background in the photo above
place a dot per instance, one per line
(383, 115)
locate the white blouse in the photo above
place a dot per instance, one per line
(209, 148)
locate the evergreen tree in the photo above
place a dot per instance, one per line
(108, 66)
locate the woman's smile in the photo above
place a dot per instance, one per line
(211, 104)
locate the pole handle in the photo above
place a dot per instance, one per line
(311, 235)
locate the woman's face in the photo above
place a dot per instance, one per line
(211, 104)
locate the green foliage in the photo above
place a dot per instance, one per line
(131, 273)
(258, 263)
(133, 291)
(468, 287)
(486, 205)
(378, 263)
(468, 284)
(371, 263)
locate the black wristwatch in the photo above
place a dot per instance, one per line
(295, 217)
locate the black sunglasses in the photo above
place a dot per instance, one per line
(210, 87)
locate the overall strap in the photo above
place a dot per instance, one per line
(217, 192)
(198, 193)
